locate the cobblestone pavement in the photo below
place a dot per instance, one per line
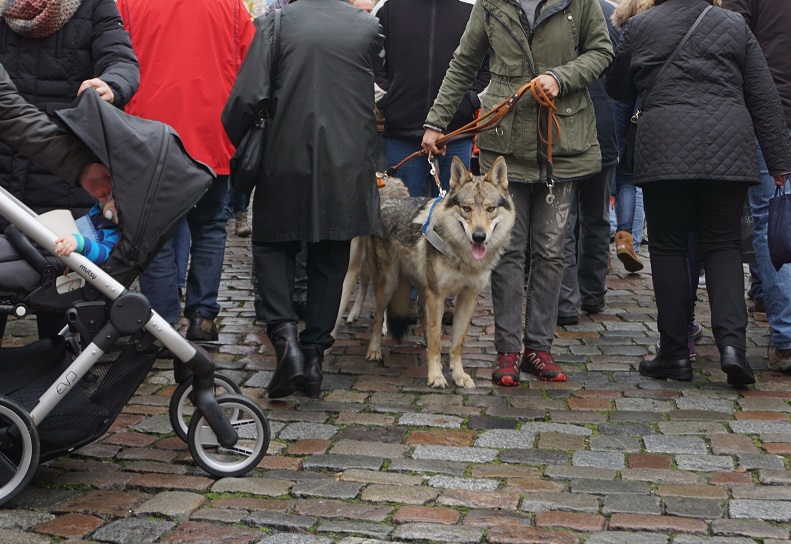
(608, 457)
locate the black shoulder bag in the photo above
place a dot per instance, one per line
(626, 162)
(247, 164)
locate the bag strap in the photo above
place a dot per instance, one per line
(672, 56)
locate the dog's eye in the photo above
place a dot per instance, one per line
(466, 209)
(490, 209)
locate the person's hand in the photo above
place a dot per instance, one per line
(780, 179)
(429, 143)
(94, 177)
(65, 245)
(549, 85)
(104, 90)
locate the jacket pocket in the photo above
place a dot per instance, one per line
(577, 124)
(498, 139)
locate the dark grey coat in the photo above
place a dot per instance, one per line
(320, 178)
(716, 96)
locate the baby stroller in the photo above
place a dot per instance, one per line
(59, 394)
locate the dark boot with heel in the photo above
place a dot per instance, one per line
(733, 362)
(290, 361)
(672, 369)
(311, 379)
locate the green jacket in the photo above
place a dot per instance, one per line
(569, 40)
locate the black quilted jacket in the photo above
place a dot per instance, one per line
(48, 72)
(716, 96)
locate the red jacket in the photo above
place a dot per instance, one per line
(189, 52)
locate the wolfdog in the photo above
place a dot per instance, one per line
(443, 247)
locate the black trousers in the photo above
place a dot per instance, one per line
(712, 209)
(273, 266)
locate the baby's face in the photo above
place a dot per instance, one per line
(103, 193)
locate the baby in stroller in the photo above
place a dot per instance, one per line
(59, 394)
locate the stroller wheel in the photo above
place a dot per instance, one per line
(19, 449)
(250, 423)
(181, 407)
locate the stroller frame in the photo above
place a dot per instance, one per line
(129, 313)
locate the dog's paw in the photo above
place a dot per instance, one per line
(374, 355)
(437, 381)
(464, 381)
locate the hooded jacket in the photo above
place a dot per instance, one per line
(48, 72)
(568, 38)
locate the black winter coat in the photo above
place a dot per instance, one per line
(48, 72)
(716, 96)
(319, 180)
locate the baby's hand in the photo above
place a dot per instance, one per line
(65, 245)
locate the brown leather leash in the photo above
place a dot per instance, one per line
(492, 120)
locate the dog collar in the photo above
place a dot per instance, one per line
(431, 235)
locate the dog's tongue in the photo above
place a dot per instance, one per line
(478, 250)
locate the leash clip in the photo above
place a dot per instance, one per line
(550, 196)
(434, 171)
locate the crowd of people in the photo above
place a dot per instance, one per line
(706, 84)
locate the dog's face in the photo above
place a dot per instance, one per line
(481, 205)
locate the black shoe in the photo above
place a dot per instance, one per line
(592, 308)
(568, 319)
(201, 329)
(311, 379)
(290, 361)
(734, 363)
(672, 369)
(301, 308)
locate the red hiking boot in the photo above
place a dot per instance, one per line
(542, 365)
(507, 372)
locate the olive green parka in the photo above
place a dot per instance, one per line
(569, 40)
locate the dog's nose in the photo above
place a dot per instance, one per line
(479, 236)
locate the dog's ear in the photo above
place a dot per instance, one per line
(498, 173)
(459, 175)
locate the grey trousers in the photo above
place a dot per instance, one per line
(587, 243)
(539, 229)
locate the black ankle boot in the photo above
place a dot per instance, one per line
(311, 379)
(733, 362)
(290, 362)
(673, 369)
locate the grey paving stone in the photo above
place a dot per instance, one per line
(22, 519)
(506, 439)
(759, 427)
(374, 530)
(643, 405)
(579, 473)
(599, 459)
(626, 429)
(674, 444)
(370, 449)
(534, 457)
(430, 420)
(618, 537)
(542, 502)
(133, 531)
(748, 527)
(342, 462)
(172, 504)
(259, 379)
(279, 521)
(356, 540)
(328, 489)
(694, 507)
(766, 510)
(452, 453)
(762, 492)
(223, 515)
(254, 486)
(469, 484)
(705, 403)
(300, 430)
(751, 461)
(636, 417)
(615, 443)
(705, 463)
(293, 538)
(158, 424)
(692, 427)
(774, 477)
(13, 536)
(376, 477)
(539, 427)
(607, 487)
(690, 539)
(399, 494)
(428, 466)
(369, 433)
(439, 533)
(631, 504)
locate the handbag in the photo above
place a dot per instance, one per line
(626, 160)
(247, 163)
(778, 234)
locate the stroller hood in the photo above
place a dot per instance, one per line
(155, 182)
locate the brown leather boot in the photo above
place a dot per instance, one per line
(624, 250)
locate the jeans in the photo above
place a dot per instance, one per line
(540, 228)
(416, 173)
(713, 209)
(235, 202)
(776, 285)
(159, 281)
(181, 246)
(639, 218)
(586, 244)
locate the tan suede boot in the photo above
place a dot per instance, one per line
(624, 250)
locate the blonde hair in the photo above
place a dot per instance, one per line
(629, 8)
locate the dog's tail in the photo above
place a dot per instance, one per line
(398, 311)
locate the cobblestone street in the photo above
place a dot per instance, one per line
(608, 457)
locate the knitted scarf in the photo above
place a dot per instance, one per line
(37, 18)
